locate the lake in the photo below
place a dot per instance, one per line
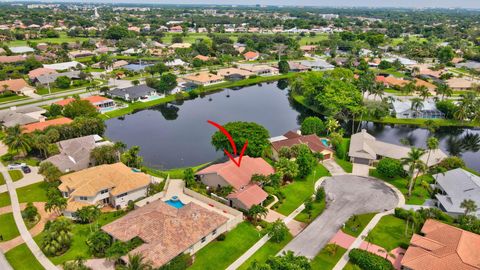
(177, 134)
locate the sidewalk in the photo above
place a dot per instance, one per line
(28, 179)
(333, 167)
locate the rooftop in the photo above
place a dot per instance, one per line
(43, 125)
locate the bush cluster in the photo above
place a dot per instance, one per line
(369, 261)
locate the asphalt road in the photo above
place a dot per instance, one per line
(346, 195)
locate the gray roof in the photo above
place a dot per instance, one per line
(18, 116)
(318, 63)
(459, 185)
(50, 78)
(469, 64)
(133, 92)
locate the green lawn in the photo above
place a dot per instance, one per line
(355, 224)
(318, 208)
(220, 254)
(11, 98)
(80, 233)
(63, 38)
(325, 261)
(347, 166)
(351, 266)
(419, 193)
(2, 179)
(309, 39)
(298, 191)
(270, 248)
(32, 193)
(21, 258)
(389, 233)
(174, 173)
(8, 228)
(4, 199)
(15, 175)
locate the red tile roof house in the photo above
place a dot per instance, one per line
(98, 101)
(291, 138)
(251, 56)
(246, 194)
(18, 86)
(442, 247)
(40, 126)
(33, 74)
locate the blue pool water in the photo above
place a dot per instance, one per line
(177, 204)
(325, 142)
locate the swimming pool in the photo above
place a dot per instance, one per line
(175, 202)
(325, 142)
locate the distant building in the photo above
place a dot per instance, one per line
(204, 78)
(291, 138)
(18, 86)
(428, 110)
(49, 78)
(33, 74)
(469, 65)
(21, 50)
(65, 66)
(317, 64)
(251, 56)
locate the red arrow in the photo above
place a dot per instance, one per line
(232, 143)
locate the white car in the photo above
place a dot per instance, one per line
(16, 166)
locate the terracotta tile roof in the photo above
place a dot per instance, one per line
(250, 195)
(390, 80)
(203, 77)
(43, 125)
(202, 57)
(14, 85)
(250, 55)
(40, 71)
(117, 177)
(239, 177)
(312, 141)
(166, 231)
(12, 59)
(443, 247)
(230, 71)
(430, 86)
(92, 99)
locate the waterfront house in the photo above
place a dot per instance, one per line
(98, 102)
(112, 185)
(203, 78)
(317, 64)
(133, 93)
(428, 110)
(441, 246)
(455, 186)
(260, 70)
(40, 126)
(291, 138)
(245, 194)
(366, 149)
(232, 74)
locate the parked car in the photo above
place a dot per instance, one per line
(26, 169)
(16, 166)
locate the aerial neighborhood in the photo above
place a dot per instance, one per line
(251, 137)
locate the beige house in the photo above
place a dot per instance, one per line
(260, 70)
(203, 78)
(18, 86)
(461, 83)
(106, 185)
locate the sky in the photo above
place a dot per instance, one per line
(330, 3)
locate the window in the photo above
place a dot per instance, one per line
(122, 195)
(104, 191)
(83, 198)
(204, 239)
(214, 232)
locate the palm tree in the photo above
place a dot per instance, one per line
(16, 140)
(413, 160)
(423, 92)
(332, 125)
(432, 144)
(136, 262)
(469, 206)
(416, 105)
(257, 211)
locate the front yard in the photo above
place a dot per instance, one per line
(355, 224)
(21, 258)
(4, 199)
(326, 261)
(389, 233)
(270, 248)
(32, 193)
(8, 228)
(220, 254)
(15, 175)
(298, 191)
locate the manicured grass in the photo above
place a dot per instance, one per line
(355, 224)
(298, 191)
(15, 175)
(351, 266)
(389, 233)
(173, 173)
(4, 199)
(32, 193)
(61, 39)
(318, 208)
(270, 248)
(220, 254)
(11, 98)
(419, 193)
(309, 39)
(325, 261)
(8, 228)
(347, 166)
(21, 258)
(80, 233)
(2, 179)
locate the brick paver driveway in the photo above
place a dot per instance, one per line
(346, 195)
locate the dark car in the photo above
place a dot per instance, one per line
(26, 169)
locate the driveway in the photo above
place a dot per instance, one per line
(332, 166)
(360, 169)
(347, 195)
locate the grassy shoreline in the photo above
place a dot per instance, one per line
(208, 89)
(399, 121)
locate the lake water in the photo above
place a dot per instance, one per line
(177, 134)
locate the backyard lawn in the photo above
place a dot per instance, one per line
(15, 175)
(270, 248)
(235, 244)
(4, 199)
(21, 258)
(298, 191)
(389, 233)
(355, 224)
(419, 193)
(325, 261)
(8, 228)
(32, 193)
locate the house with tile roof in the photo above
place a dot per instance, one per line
(98, 102)
(245, 194)
(33, 74)
(251, 56)
(18, 86)
(106, 185)
(442, 247)
(40, 126)
(204, 78)
(11, 59)
(291, 138)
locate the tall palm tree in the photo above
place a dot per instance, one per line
(469, 206)
(432, 144)
(136, 262)
(257, 211)
(414, 162)
(416, 105)
(16, 140)
(423, 92)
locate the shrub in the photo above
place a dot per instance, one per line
(369, 261)
(389, 167)
(451, 163)
(312, 125)
(320, 194)
(221, 237)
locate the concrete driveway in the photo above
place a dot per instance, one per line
(347, 195)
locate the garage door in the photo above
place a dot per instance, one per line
(362, 161)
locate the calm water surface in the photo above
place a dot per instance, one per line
(178, 135)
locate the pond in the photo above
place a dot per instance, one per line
(177, 134)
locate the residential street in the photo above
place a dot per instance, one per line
(346, 195)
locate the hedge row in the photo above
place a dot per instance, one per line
(369, 261)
